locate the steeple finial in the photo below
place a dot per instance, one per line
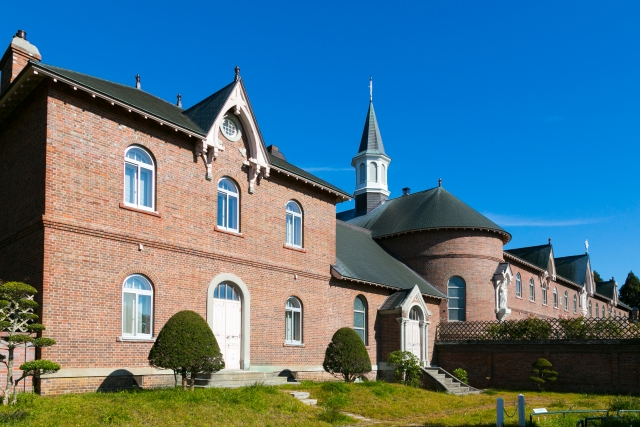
(179, 103)
(549, 240)
(237, 70)
(371, 89)
(586, 245)
(439, 182)
(138, 85)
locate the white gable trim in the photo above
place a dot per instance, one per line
(414, 298)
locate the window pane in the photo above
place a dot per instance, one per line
(358, 304)
(139, 155)
(128, 307)
(215, 292)
(144, 314)
(146, 183)
(297, 231)
(293, 207)
(233, 212)
(358, 320)
(289, 229)
(229, 292)
(360, 333)
(288, 325)
(296, 326)
(130, 177)
(222, 209)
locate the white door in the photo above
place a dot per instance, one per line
(227, 310)
(413, 338)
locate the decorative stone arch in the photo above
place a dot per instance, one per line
(142, 270)
(245, 299)
(414, 299)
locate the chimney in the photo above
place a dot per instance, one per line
(179, 103)
(16, 57)
(275, 152)
(138, 85)
(406, 191)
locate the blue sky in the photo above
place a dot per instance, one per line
(527, 111)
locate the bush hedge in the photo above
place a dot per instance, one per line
(346, 356)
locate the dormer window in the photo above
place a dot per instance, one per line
(230, 128)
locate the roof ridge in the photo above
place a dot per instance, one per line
(210, 96)
(354, 227)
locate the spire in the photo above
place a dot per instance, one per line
(371, 139)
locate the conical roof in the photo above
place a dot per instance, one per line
(426, 210)
(371, 141)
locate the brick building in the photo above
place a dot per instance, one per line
(131, 208)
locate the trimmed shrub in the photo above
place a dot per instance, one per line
(541, 374)
(186, 345)
(461, 374)
(346, 356)
(406, 367)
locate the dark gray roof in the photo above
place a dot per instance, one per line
(536, 255)
(573, 268)
(283, 164)
(359, 257)
(606, 289)
(371, 140)
(129, 95)
(346, 215)
(205, 112)
(426, 210)
(395, 300)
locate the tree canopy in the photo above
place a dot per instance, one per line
(596, 277)
(630, 291)
(346, 356)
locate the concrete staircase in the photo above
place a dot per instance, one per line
(438, 379)
(239, 378)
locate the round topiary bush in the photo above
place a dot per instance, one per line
(346, 356)
(186, 345)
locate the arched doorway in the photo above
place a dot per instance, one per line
(228, 316)
(414, 334)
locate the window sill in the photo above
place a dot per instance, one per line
(231, 233)
(131, 208)
(134, 339)
(519, 297)
(293, 248)
(286, 344)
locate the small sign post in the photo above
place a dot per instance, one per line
(521, 414)
(499, 412)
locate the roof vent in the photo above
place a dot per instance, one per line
(275, 152)
(179, 103)
(406, 191)
(138, 85)
(21, 34)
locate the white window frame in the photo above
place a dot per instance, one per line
(544, 293)
(555, 297)
(290, 236)
(566, 301)
(293, 310)
(229, 194)
(137, 293)
(532, 290)
(364, 313)
(518, 286)
(373, 170)
(139, 165)
(238, 134)
(590, 309)
(575, 304)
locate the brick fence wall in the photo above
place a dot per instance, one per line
(606, 366)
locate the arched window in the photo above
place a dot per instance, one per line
(532, 290)
(139, 179)
(575, 304)
(603, 316)
(137, 307)
(383, 173)
(360, 317)
(518, 285)
(293, 321)
(373, 172)
(228, 205)
(294, 224)
(590, 309)
(566, 301)
(226, 291)
(597, 311)
(415, 313)
(555, 298)
(456, 291)
(363, 174)
(544, 293)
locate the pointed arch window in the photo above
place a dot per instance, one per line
(603, 316)
(566, 301)
(457, 293)
(597, 311)
(590, 309)
(363, 173)
(360, 317)
(383, 173)
(137, 307)
(294, 224)
(373, 172)
(518, 285)
(228, 205)
(575, 304)
(532, 290)
(139, 179)
(555, 298)
(293, 321)
(544, 293)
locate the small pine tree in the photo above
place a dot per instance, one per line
(17, 325)
(630, 291)
(541, 374)
(186, 345)
(596, 277)
(346, 356)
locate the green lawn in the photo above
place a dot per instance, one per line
(388, 404)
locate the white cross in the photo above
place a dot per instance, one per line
(586, 245)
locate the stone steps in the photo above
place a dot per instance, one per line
(448, 382)
(234, 379)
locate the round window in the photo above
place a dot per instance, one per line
(230, 129)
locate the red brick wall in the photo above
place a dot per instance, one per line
(611, 367)
(439, 255)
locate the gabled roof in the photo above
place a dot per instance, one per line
(278, 163)
(426, 210)
(606, 289)
(573, 268)
(205, 112)
(536, 255)
(360, 258)
(371, 141)
(129, 95)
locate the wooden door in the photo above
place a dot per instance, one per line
(232, 354)
(413, 338)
